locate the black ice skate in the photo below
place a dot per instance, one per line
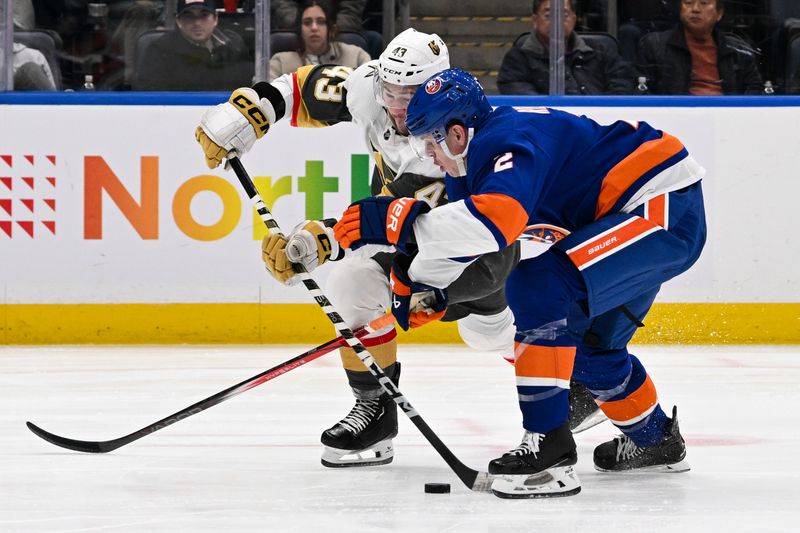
(364, 436)
(621, 454)
(540, 467)
(584, 412)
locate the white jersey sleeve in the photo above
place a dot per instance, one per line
(452, 231)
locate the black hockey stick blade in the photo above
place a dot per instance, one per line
(106, 446)
(77, 445)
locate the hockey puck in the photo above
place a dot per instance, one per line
(437, 488)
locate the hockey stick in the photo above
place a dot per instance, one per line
(287, 366)
(474, 480)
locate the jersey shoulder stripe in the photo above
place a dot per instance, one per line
(644, 159)
(503, 215)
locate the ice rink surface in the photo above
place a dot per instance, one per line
(252, 463)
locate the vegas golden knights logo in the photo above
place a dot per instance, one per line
(434, 47)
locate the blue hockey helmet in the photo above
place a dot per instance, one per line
(453, 95)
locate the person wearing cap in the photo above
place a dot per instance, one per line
(196, 56)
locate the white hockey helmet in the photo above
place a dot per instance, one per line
(412, 57)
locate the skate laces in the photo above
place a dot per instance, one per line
(360, 416)
(529, 445)
(626, 448)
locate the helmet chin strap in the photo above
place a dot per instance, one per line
(460, 159)
(461, 164)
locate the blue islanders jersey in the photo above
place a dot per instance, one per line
(544, 168)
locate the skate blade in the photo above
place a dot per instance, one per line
(551, 483)
(674, 468)
(381, 453)
(598, 417)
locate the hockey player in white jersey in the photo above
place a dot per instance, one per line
(374, 97)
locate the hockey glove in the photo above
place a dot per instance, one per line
(310, 244)
(379, 220)
(231, 127)
(414, 304)
(273, 253)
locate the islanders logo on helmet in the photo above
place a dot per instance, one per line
(450, 95)
(433, 86)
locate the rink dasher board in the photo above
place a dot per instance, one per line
(113, 229)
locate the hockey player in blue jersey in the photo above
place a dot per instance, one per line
(621, 209)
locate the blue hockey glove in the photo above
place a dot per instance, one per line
(414, 304)
(379, 220)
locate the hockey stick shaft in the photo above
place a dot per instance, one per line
(202, 405)
(479, 481)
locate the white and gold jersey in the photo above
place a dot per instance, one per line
(323, 95)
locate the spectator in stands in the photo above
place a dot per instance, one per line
(317, 46)
(349, 14)
(349, 19)
(595, 69)
(197, 56)
(29, 66)
(30, 70)
(696, 58)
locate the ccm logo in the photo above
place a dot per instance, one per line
(396, 209)
(598, 247)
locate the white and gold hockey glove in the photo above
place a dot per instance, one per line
(311, 244)
(231, 128)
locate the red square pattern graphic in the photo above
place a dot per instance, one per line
(27, 196)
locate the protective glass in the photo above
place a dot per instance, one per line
(392, 96)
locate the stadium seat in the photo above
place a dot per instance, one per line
(243, 24)
(352, 37)
(283, 41)
(145, 40)
(793, 65)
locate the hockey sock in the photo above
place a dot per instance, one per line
(384, 349)
(633, 406)
(544, 349)
(543, 368)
